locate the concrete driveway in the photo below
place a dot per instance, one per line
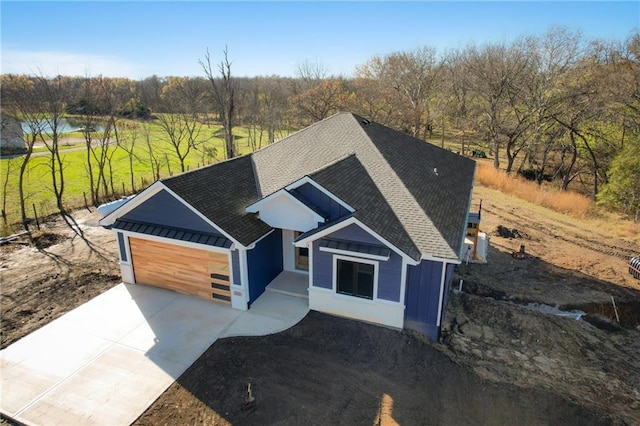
(106, 361)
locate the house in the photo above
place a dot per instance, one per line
(373, 219)
(11, 134)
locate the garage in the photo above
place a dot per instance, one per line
(186, 270)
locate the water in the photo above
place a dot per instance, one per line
(64, 126)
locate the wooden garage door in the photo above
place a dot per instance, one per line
(185, 270)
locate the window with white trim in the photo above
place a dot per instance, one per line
(122, 247)
(355, 278)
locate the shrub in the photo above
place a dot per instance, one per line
(572, 203)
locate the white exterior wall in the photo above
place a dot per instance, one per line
(288, 251)
(374, 311)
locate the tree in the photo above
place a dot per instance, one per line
(222, 95)
(183, 134)
(53, 94)
(19, 98)
(401, 89)
(495, 74)
(622, 191)
(320, 101)
(127, 143)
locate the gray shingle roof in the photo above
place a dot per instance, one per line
(412, 193)
(221, 192)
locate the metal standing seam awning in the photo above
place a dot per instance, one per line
(354, 247)
(173, 233)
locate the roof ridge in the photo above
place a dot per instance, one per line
(401, 190)
(304, 129)
(204, 167)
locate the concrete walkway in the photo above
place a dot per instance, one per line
(106, 361)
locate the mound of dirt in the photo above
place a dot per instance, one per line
(504, 232)
(43, 240)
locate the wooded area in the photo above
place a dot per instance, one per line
(555, 108)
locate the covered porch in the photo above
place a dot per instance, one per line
(290, 283)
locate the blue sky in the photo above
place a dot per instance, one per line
(139, 39)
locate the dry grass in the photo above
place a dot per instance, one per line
(570, 203)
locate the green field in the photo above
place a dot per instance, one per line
(38, 182)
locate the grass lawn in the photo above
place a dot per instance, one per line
(38, 182)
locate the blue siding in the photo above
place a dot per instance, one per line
(422, 297)
(355, 233)
(163, 209)
(389, 272)
(322, 267)
(389, 276)
(235, 267)
(325, 203)
(264, 263)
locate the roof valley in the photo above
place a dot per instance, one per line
(398, 195)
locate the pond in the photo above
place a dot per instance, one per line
(65, 125)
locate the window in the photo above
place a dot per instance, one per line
(121, 245)
(355, 278)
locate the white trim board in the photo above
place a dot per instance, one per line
(174, 242)
(354, 253)
(334, 275)
(353, 221)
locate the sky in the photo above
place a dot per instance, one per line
(165, 38)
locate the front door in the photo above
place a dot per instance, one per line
(301, 255)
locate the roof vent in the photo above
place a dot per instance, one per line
(365, 121)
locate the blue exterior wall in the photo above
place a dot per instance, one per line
(264, 263)
(163, 209)
(355, 233)
(389, 272)
(321, 200)
(235, 267)
(422, 297)
(322, 267)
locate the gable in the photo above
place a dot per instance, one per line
(356, 234)
(286, 211)
(330, 207)
(165, 210)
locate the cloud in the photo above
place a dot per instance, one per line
(66, 63)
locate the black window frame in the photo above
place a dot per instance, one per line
(359, 269)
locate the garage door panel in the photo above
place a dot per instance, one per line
(182, 269)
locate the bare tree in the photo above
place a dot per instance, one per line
(495, 73)
(154, 161)
(20, 99)
(127, 143)
(222, 92)
(183, 133)
(53, 94)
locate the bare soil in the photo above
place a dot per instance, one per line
(52, 273)
(500, 360)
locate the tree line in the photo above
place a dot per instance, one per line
(556, 107)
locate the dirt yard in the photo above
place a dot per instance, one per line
(60, 272)
(502, 359)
